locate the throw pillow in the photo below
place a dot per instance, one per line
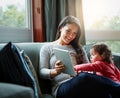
(30, 65)
(14, 69)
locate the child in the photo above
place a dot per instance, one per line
(101, 63)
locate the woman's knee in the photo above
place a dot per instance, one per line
(84, 75)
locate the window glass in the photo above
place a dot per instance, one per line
(13, 13)
(16, 21)
(101, 14)
(102, 22)
(113, 45)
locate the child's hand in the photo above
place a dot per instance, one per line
(75, 71)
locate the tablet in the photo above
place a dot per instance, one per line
(65, 57)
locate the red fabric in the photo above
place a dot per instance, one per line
(101, 68)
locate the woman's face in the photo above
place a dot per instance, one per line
(68, 33)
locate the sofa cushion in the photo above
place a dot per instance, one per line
(8, 90)
(14, 69)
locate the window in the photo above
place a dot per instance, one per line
(15, 21)
(102, 22)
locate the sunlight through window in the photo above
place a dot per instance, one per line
(101, 14)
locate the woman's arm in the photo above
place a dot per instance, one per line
(47, 71)
(44, 67)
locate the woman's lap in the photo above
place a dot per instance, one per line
(87, 85)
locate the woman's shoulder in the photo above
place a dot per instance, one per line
(48, 46)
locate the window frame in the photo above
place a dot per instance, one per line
(19, 34)
(102, 35)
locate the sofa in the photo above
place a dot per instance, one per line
(32, 49)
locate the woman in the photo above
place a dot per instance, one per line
(63, 85)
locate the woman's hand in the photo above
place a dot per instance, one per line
(59, 67)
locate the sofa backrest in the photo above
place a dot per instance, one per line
(116, 59)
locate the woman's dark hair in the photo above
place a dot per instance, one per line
(103, 50)
(75, 43)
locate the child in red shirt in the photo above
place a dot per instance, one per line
(101, 63)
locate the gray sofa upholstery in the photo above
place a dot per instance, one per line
(32, 49)
(8, 90)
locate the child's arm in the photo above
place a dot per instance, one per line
(94, 67)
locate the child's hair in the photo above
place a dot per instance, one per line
(103, 50)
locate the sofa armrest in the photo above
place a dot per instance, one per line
(8, 90)
(116, 59)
